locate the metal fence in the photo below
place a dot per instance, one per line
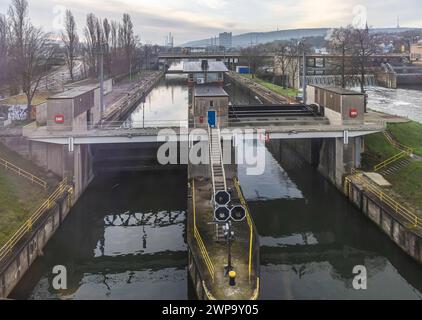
(23, 173)
(12, 244)
(254, 244)
(405, 213)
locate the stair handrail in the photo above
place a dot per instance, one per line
(221, 158)
(210, 158)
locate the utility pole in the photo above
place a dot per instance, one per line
(302, 45)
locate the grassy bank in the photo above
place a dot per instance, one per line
(377, 149)
(407, 182)
(409, 134)
(18, 200)
(289, 92)
(21, 99)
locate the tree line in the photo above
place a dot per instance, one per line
(27, 52)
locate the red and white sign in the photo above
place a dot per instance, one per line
(59, 118)
(354, 113)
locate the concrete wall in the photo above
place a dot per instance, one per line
(41, 114)
(60, 107)
(19, 263)
(408, 240)
(55, 158)
(386, 79)
(332, 158)
(48, 156)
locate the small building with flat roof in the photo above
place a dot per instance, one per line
(210, 106)
(340, 106)
(74, 109)
(205, 72)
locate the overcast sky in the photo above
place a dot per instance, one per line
(197, 19)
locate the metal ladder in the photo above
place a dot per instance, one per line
(217, 172)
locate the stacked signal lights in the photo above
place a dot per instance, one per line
(227, 213)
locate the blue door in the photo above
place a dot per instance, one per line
(212, 118)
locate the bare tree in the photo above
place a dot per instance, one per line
(28, 49)
(363, 48)
(107, 41)
(282, 61)
(91, 43)
(128, 39)
(254, 60)
(4, 49)
(341, 43)
(71, 41)
(294, 63)
(114, 37)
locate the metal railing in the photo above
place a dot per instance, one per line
(397, 144)
(405, 152)
(252, 230)
(221, 159)
(197, 235)
(19, 235)
(23, 173)
(405, 213)
(210, 157)
(391, 160)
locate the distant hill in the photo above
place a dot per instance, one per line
(245, 40)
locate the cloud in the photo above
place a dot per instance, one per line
(193, 19)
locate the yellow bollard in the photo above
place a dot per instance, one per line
(232, 276)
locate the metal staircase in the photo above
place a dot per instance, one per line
(216, 161)
(217, 172)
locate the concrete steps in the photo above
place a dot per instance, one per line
(396, 166)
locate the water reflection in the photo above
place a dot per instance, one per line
(125, 239)
(165, 105)
(311, 243)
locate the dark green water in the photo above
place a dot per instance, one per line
(125, 239)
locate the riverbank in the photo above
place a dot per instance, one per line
(407, 181)
(19, 198)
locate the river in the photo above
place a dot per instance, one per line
(405, 101)
(126, 237)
